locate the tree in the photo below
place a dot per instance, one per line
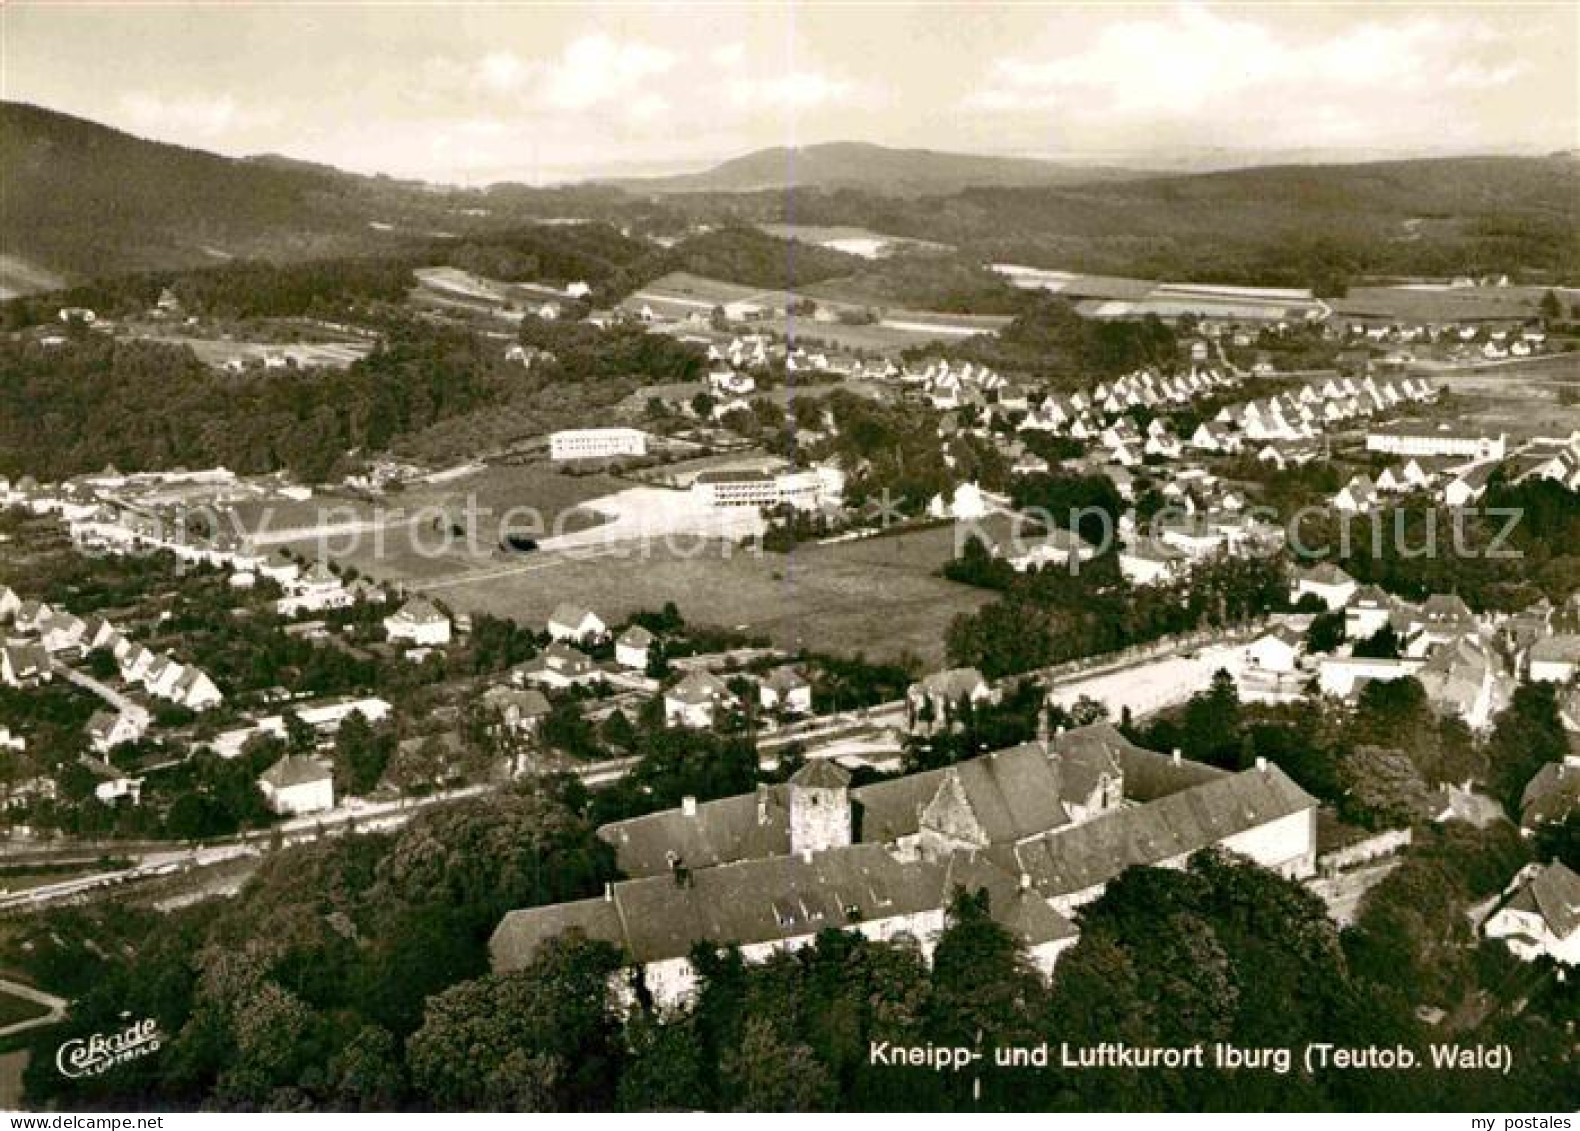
(542, 1037)
(1551, 309)
(769, 1073)
(1326, 632)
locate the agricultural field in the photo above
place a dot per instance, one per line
(823, 598)
(1524, 399)
(881, 596)
(1450, 304)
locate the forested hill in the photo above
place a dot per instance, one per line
(874, 168)
(81, 201)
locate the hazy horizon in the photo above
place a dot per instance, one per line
(474, 94)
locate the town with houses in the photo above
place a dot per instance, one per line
(640, 645)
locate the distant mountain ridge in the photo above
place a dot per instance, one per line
(876, 168)
(80, 200)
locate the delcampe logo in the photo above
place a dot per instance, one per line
(97, 1054)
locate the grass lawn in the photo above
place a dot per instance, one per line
(881, 600)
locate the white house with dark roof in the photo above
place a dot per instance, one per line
(295, 786)
(696, 700)
(24, 665)
(633, 647)
(1555, 659)
(1326, 582)
(1276, 651)
(785, 689)
(1541, 915)
(109, 729)
(574, 623)
(932, 702)
(418, 622)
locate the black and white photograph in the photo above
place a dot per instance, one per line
(789, 556)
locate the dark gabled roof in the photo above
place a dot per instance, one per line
(1551, 793)
(293, 770)
(754, 901)
(1554, 894)
(635, 637)
(721, 832)
(521, 933)
(821, 773)
(1149, 775)
(1095, 851)
(1324, 573)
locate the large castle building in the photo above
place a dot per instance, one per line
(1041, 827)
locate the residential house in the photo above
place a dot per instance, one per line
(696, 700)
(1367, 613)
(1326, 582)
(520, 709)
(109, 729)
(935, 701)
(295, 786)
(419, 622)
(1552, 793)
(24, 665)
(633, 647)
(785, 689)
(1151, 562)
(560, 665)
(1555, 659)
(1276, 651)
(113, 785)
(576, 624)
(1541, 915)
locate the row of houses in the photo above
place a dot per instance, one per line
(57, 633)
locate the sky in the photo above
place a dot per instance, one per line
(473, 93)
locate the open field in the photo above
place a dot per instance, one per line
(1521, 399)
(818, 598)
(880, 596)
(852, 241)
(680, 295)
(406, 546)
(219, 352)
(1450, 304)
(20, 277)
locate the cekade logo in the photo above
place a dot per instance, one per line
(91, 1056)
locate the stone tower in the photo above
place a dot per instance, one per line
(819, 807)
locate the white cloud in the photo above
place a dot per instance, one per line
(795, 90)
(504, 72)
(597, 70)
(1193, 60)
(729, 55)
(189, 116)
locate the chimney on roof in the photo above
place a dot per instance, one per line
(762, 807)
(1025, 881)
(1261, 764)
(806, 856)
(1175, 756)
(1042, 727)
(608, 893)
(688, 805)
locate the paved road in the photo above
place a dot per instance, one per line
(114, 698)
